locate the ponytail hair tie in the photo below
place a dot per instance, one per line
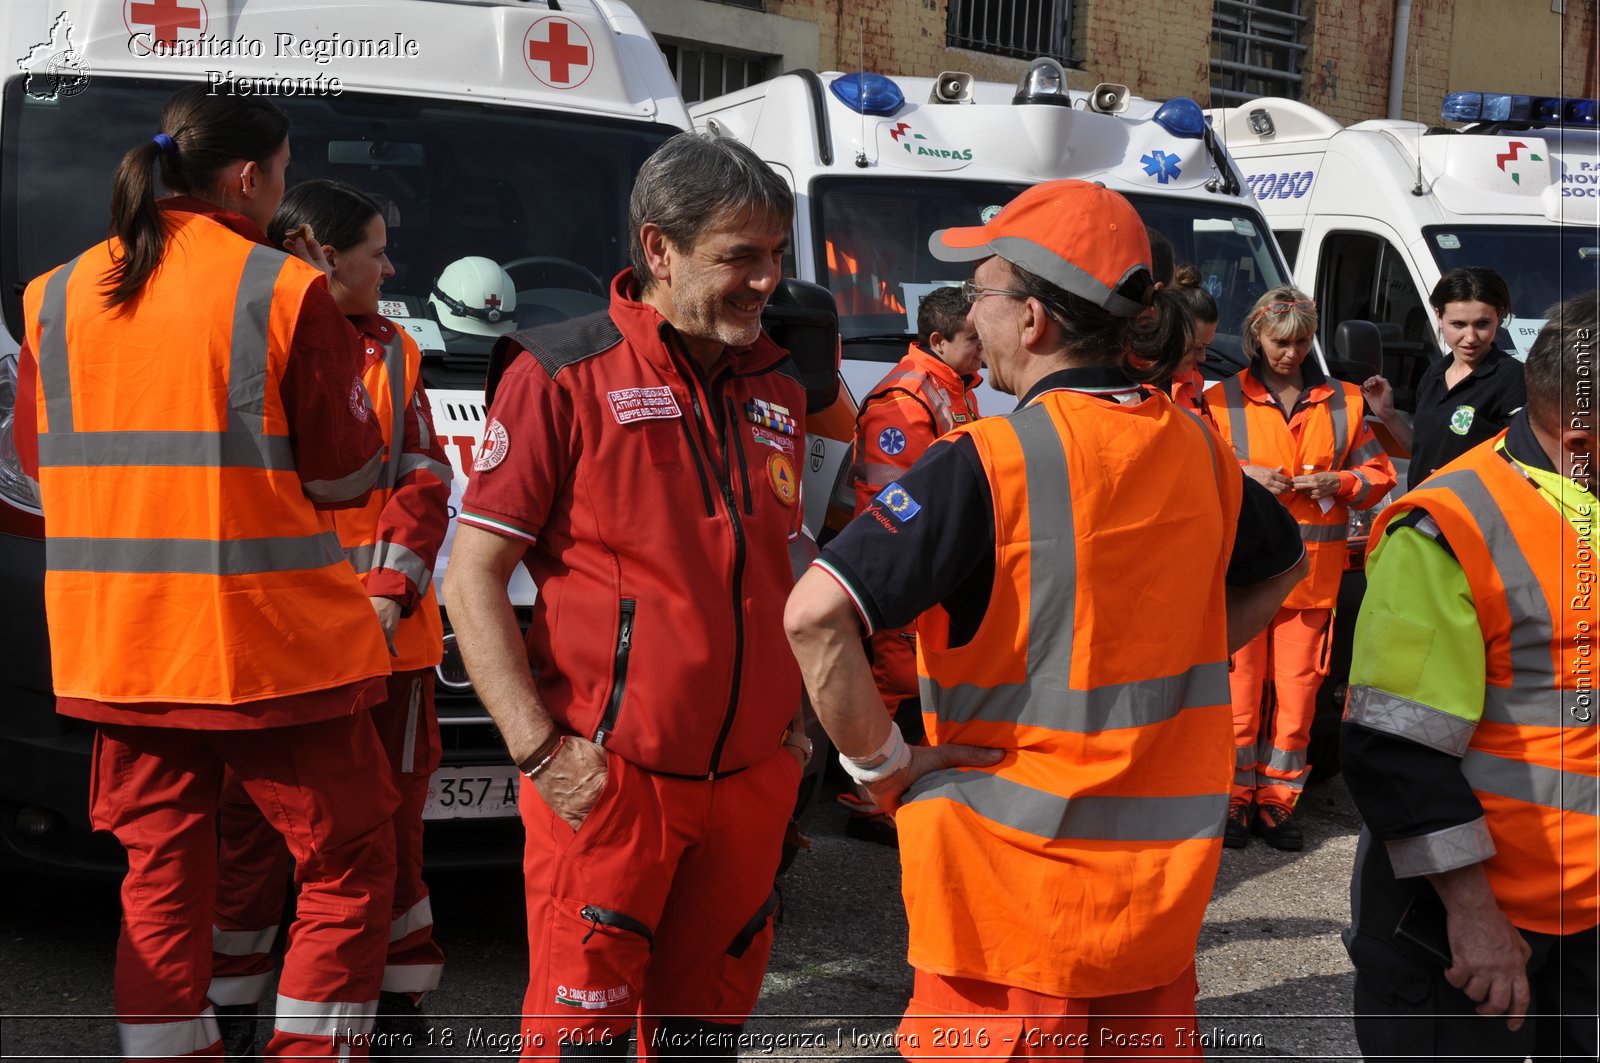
(167, 145)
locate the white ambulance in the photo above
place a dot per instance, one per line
(1372, 214)
(488, 129)
(878, 163)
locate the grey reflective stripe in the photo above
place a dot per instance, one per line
(410, 463)
(1244, 756)
(55, 371)
(423, 435)
(1539, 708)
(1324, 533)
(1284, 760)
(1044, 698)
(1533, 783)
(252, 317)
(1050, 704)
(239, 989)
(166, 1040)
(310, 1018)
(346, 487)
(360, 557)
(406, 562)
(228, 557)
(1364, 453)
(1341, 423)
(413, 919)
(1379, 710)
(1233, 400)
(1533, 678)
(874, 472)
(1463, 845)
(394, 367)
(370, 557)
(1366, 485)
(939, 402)
(216, 450)
(243, 443)
(1048, 815)
(408, 763)
(243, 942)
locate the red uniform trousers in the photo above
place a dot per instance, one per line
(157, 788)
(660, 904)
(968, 1018)
(1270, 749)
(253, 866)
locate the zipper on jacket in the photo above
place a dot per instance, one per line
(737, 446)
(599, 917)
(619, 671)
(699, 467)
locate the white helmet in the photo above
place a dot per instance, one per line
(475, 295)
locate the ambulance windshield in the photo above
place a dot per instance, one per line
(873, 237)
(544, 195)
(1542, 264)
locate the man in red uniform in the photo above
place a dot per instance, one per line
(928, 393)
(641, 462)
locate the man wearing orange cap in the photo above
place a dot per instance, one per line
(1055, 879)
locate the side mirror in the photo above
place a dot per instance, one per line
(803, 318)
(1357, 351)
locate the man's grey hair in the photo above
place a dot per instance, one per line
(693, 183)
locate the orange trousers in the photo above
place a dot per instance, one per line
(1272, 726)
(967, 1018)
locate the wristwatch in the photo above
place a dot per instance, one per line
(801, 741)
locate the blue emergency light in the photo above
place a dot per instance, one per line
(1181, 117)
(868, 93)
(1512, 107)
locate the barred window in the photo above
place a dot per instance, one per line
(1022, 29)
(1257, 49)
(703, 72)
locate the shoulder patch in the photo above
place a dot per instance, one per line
(565, 343)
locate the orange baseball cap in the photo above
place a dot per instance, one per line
(1079, 236)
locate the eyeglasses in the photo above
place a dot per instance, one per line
(1284, 308)
(973, 292)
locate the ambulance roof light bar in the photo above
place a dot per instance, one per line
(1512, 107)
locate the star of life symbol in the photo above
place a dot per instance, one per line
(65, 74)
(1160, 165)
(891, 441)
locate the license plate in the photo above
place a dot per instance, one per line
(482, 792)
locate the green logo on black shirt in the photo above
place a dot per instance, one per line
(1461, 420)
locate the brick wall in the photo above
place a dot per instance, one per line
(1161, 50)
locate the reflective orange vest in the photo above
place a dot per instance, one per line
(934, 390)
(184, 561)
(391, 381)
(1533, 759)
(1328, 434)
(1081, 864)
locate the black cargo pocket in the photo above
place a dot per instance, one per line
(1391, 970)
(747, 933)
(598, 958)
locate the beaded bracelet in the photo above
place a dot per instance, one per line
(542, 756)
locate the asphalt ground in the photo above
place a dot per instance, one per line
(1274, 980)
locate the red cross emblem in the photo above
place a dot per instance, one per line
(160, 20)
(492, 301)
(559, 52)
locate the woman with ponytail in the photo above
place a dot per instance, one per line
(195, 398)
(393, 542)
(1304, 438)
(1188, 386)
(1064, 873)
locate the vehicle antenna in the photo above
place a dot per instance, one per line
(1416, 111)
(861, 94)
